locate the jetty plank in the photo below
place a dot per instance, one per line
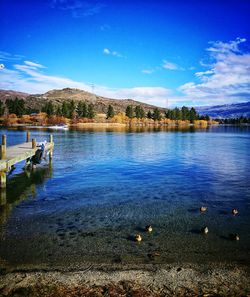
(20, 152)
(11, 155)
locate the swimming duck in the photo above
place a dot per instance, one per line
(235, 211)
(149, 228)
(234, 237)
(204, 230)
(138, 238)
(203, 209)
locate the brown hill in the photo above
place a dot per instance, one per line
(37, 101)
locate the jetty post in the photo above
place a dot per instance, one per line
(17, 153)
(33, 143)
(51, 149)
(28, 136)
(3, 157)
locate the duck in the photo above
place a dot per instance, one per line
(138, 238)
(234, 237)
(204, 230)
(235, 211)
(149, 228)
(203, 209)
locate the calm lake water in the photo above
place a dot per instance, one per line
(103, 187)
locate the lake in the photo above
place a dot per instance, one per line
(103, 187)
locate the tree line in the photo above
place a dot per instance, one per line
(183, 113)
(69, 109)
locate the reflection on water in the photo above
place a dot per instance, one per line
(108, 184)
(20, 187)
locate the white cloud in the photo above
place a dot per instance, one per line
(27, 78)
(171, 66)
(34, 65)
(148, 71)
(227, 78)
(5, 56)
(107, 51)
(78, 8)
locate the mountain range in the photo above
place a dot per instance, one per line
(235, 110)
(37, 101)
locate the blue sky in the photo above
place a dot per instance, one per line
(168, 53)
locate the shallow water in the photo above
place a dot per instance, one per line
(103, 187)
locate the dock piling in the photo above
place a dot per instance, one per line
(33, 143)
(28, 136)
(3, 139)
(51, 149)
(3, 152)
(11, 155)
(3, 148)
(2, 179)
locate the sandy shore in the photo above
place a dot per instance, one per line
(149, 280)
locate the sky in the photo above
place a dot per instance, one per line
(167, 53)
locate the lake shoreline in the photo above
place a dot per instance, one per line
(135, 280)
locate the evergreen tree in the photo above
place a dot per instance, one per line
(91, 112)
(50, 109)
(178, 115)
(167, 114)
(9, 104)
(129, 111)
(59, 111)
(20, 107)
(65, 110)
(149, 114)
(192, 115)
(71, 108)
(2, 108)
(139, 112)
(185, 113)
(156, 114)
(110, 112)
(82, 109)
(16, 106)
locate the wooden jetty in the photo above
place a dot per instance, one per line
(9, 156)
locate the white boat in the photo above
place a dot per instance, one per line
(59, 127)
